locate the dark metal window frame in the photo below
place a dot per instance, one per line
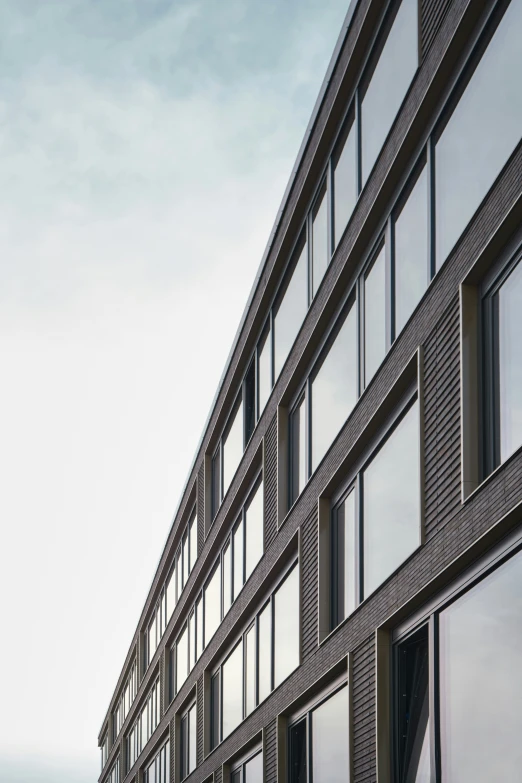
(154, 759)
(237, 772)
(131, 681)
(429, 614)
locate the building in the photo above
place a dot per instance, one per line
(339, 598)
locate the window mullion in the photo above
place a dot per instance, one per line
(359, 537)
(434, 702)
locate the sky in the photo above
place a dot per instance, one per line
(145, 146)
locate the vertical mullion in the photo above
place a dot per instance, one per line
(309, 739)
(308, 428)
(329, 210)
(434, 702)
(272, 643)
(358, 144)
(309, 256)
(430, 168)
(494, 371)
(359, 304)
(359, 537)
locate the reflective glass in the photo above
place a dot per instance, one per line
(227, 579)
(344, 566)
(344, 181)
(411, 252)
(179, 572)
(185, 558)
(481, 134)
(481, 680)
(183, 745)
(215, 729)
(413, 709)
(216, 482)
(265, 652)
(392, 502)
(510, 363)
(193, 532)
(232, 447)
(232, 673)
(250, 401)
(264, 364)
(330, 739)
(238, 559)
(374, 316)
(389, 83)
(291, 312)
(192, 640)
(286, 627)
(320, 255)
(250, 674)
(334, 388)
(152, 639)
(212, 595)
(181, 659)
(298, 451)
(192, 744)
(199, 628)
(254, 531)
(254, 770)
(297, 751)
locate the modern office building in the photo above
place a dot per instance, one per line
(340, 595)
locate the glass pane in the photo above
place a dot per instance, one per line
(227, 579)
(264, 370)
(181, 659)
(265, 652)
(216, 482)
(481, 681)
(179, 572)
(215, 730)
(250, 401)
(510, 363)
(185, 558)
(374, 317)
(250, 674)
(481, 134)
(344, 181)
(199, 628)
(411, 252)
(389, 83)
(212, 604)
(192, 640)
(330, 739)
(183, 743)
(298, 451)
(320, 255)
(238, 559)
(232, 673)
(286, 627)
(254, 770)
(297, 751)
(413, 709)
(232, 447)
(254, 531)
(334, 388)
(291, 312)
(192, 748)
(152, 639)
(344, 550)
(392, 502)
(193, 541)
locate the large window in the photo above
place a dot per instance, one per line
(291, 309)
(128, 694)
(250, 771)
(467, 699)
(267, 652)
(481, 133)
(502, 311)
(376, 523)
(318, 742)
(188, 742)
(145, 724)
(158, 771)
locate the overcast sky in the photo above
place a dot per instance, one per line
(144, 149)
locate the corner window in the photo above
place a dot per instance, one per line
(188, 742)
(474, 637)
(250, 771)
(158, 771)
(260, 660)
(375, 525)
(502, 319)
(318, 743)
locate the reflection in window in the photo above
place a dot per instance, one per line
(298, 461)
(319, 232)
(389, 83)
(212, 604)
(344, 179)
(291, 311)
(344, 554)
(413, 734)
(391, 487)
(232, 690)
(286, 627)
(249, 772)
(481, 134)
(509, 363)
(411, 251)
(188, 740)
(374, 316)
(334, 388)
(232, 446)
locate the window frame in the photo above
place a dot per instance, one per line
(240, 764)
(184, 742)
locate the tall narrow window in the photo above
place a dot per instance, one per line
(413, 734)
(291, 310)
(264, 369)
(480, 135)
(265, 652)
(254, 530)
(391, 76)
(188, 742)
(298, 753)
(239, 560)
(232, 691)
(286, 627)
(374, 316)
(250, 670)
(227, 578)
(193, 532)
(344, 178)
(232, 445)
(319, 243)
(250, 400)
(181, 659)
(215, 705)
(344, 559)
(199, 628)
(212, 603)
(216, 481)
(298, 449)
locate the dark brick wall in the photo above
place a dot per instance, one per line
(309, 550)
(432, 16)
(270, 759)
(364, 712)
(270, 479)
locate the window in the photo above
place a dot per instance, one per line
(233, 444)
(104, 750)
(388, 83)
(212, 604)
(374, 316)
(474, 633)
(188, 742)
(481, 133)
(318, 742)
(291, 309)
(128, 694)
(182, 665)
(319, 239)
(264, 369)
(376, 523)
(345, 185)
(254, 531)
(114, 774)
(502, 318)
(298, 450)
(158, 770)
(258, 663)
(250, 771)
(144, 725)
